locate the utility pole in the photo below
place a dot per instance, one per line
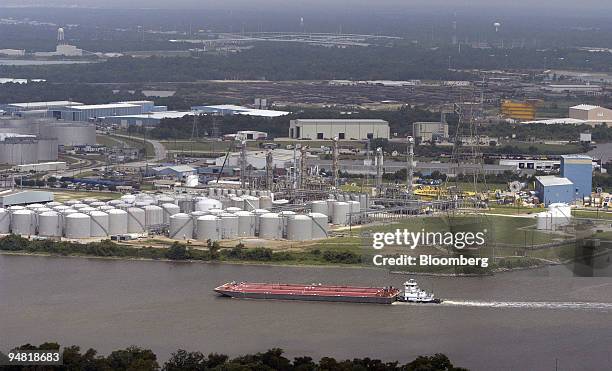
(410, 166)
(301, 179)
(335, 163)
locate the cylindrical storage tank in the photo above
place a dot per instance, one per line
(330, 207)
(23, 222)
(207, 228)
(229, 225)
(186, 205)
(251, 203)
(181, 227)
(79, 206)
(258, 213)
(196, 214)
(97, 204)
(72, 202)
(142, 204)
(52, 204)
(114, 202)
(355, 207)
(319, 225)
(16, 207)
(265, 202)
(154, 215)
(285, 216)
(270, 226)
(78, 225)
(319, 207)
(123, 206)
(299, 228)
(106, 208)
(136, 221)
(340, 215)
(239, 192)
(89, 201)
(87, 210)
(238, 202)
(363, 201)
(34, 206)
(41, 210)
(99, 224)
(68, 211)
(206, 204)
(233, 209)
(225, 191)
(117, 222)
(128, 199)
(5, 221)
(169, 210)
(225, 202)
(164, 199)
(60, 207)
(215, 212)
(246, 223)
(50, 224)
(210, 192)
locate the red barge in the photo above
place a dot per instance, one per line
(313, 292)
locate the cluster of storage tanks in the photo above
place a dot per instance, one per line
(222, 214)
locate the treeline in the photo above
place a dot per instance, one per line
(45, 91)
(134, 358)
(178, 251)
(308, 62)
(524, 132)
(400, 122)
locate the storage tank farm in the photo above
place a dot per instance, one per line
(213, 214)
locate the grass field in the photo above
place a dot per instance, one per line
(63, 196)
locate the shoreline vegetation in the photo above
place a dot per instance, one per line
(239, 254)
(136, 358)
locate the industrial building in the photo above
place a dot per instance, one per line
(66, 133)
(17, 149)
(230, 109)
(178, 172)
(518, 110)
(532, 165)
(145, 119)
(35, 108)
(41, 167)
(430, 131)
(95, 111)
(11, 197)
(592, 115)
(247, 135)
(552, 189)
(281, 159)
(343, 129)
(579, 170)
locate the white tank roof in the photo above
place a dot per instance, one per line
(77, 216)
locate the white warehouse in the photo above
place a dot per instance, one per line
(343, 129)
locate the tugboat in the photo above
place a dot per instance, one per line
(413, 294)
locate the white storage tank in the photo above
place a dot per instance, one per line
(265, 202)
(142, 204)
(354, 207)
(34, 206)
(123, 206)
(299, 228)
(233, 209)
(154, 215)
(87, 210)
(229, 225)
(41, 210)
(68, 211)
(79, 206)
(128, 199)
(99, 224)
(205, 204)
(186, 205)
(50, 224)
(117, 222)
(114, 202)
(52, 204)
(319, 207)
(23, 222)
(72, 202)
(97, 204)
(215, 212)
(165, 199)
(105, 208)
(270, 226)
(5, 221)
(169, 210)
(340, 213)
(207, 228)
(246, 223)
(136, 221)
(237, 202)
(78, 225)
(181, 227)
(89, 201)
(285, 216)
(330, 207)
(60, 207)
(319, 225)
(251, 203)
(258, 213)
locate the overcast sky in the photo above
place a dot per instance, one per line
(554, 6)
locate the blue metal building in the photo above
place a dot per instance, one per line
(552, 189)
(579, 170)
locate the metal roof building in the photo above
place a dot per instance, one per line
(579, 170)
(11, 197)
(553, 189)
(230, 109)
(351, 129)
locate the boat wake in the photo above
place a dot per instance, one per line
(531, 305)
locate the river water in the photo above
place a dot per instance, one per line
(523, 320)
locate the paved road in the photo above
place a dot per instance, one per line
(158, 147)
